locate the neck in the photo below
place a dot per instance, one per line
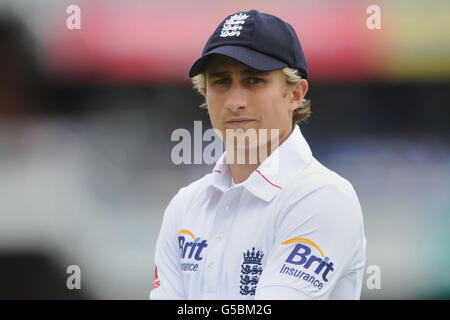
(241, 172)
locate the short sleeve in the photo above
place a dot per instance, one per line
(168, 281)
(319, 240)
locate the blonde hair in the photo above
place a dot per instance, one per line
(292, 77)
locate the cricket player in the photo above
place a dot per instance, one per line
(282, 226)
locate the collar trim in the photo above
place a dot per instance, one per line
(268, 179)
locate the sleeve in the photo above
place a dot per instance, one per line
(317, 242)
(168, 281)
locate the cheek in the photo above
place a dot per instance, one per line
(213, 97)
(212, 104)
(272, 106)
(214, 109)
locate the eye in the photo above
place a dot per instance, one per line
(254, 80)
(222, 81)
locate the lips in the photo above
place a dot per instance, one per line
(240, 120)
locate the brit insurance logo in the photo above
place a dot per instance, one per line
(303, 264)
(190, 249)
(251, 270)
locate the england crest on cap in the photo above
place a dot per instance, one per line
(233, 25)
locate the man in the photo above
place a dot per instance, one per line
(280, 227)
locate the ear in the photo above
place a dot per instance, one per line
(298, 92)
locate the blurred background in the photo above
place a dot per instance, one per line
(86, 117)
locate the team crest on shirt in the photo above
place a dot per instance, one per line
(251, 270)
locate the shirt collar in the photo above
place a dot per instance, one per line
(274, 173)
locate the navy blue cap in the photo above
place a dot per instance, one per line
(258, 40)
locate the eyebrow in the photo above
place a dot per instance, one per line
(246, 71)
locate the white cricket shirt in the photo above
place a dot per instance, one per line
(293, 234)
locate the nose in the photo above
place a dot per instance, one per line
(236, 97)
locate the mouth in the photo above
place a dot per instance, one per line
(240, 121)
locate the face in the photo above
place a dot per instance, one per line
(241, 97)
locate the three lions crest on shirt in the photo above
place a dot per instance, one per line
(251, 270)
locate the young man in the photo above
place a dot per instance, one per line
(280, 227)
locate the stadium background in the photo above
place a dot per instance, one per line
(86, 117)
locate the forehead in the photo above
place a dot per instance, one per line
(222, 63)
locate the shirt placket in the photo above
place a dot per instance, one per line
(224, 217)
